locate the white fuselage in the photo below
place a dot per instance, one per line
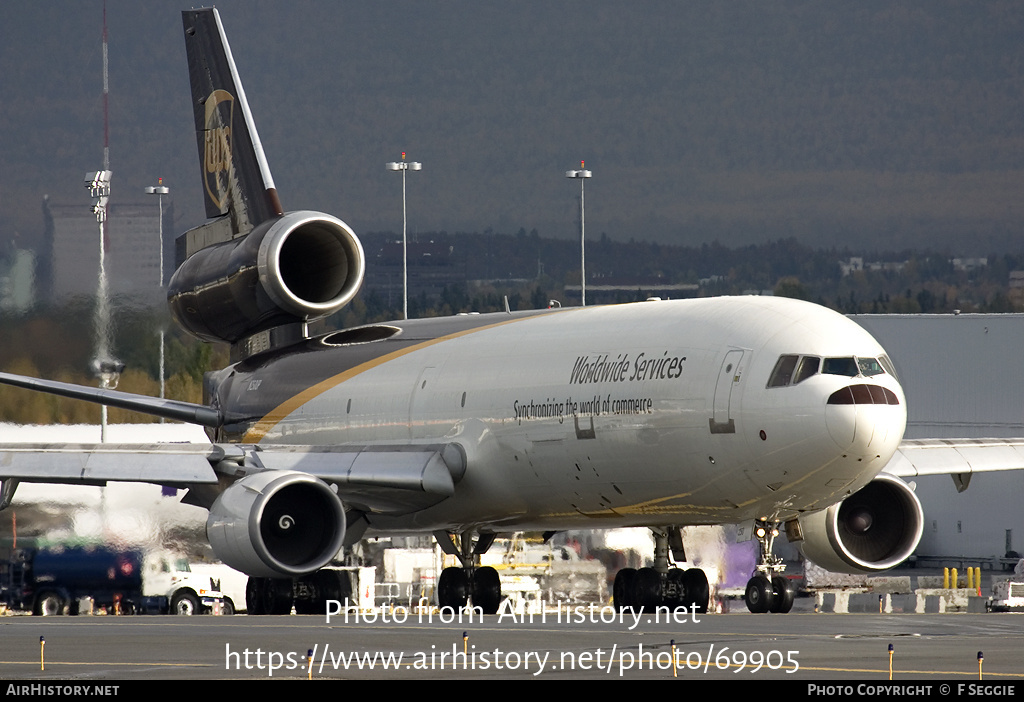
(641, 414)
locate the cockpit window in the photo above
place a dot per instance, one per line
(783, 372)
(793, 369)
(870, 367)
(841, 366)
(808, 367)
(887, 365)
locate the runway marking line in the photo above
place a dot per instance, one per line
(109, 664)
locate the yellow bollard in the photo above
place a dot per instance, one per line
(977, 579)
(970, 578)
(953, 579)
(945, 578)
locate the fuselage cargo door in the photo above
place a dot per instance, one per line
(722, 421)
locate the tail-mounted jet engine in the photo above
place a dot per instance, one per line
(277, 524)
(874, 529)
(296, 267)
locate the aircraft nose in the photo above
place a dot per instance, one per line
(866, 419)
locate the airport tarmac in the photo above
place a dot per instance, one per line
(584, 644)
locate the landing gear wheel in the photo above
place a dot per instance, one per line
(622, 589)
(698, 592)
(759, 594)
(340, 588)
(268, 596)
(782, 595)
(675, 589)
(647, 590)
(452, 588)
(486, 589)
(326, 585)
(254, 596)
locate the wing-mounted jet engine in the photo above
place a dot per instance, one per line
(876, 528)
(277, 523)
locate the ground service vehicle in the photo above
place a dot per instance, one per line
(57, 580)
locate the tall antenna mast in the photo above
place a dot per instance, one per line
(104, 365)
(106, 91)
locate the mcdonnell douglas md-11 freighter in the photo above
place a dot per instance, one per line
(661, 414)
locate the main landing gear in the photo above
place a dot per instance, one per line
(308, 594)
(662, 585)
(768, 590)
(468, 583)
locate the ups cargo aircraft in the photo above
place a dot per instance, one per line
(771, 412)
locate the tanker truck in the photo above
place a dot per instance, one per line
(59, 580)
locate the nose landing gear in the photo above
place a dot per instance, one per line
(768, 590)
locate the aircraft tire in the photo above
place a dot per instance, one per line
(330, 585)
(277, 596)
(675, 589)
(453, 588)
(622, 589)
(268, 596)
(782, 595)
(647, 589)
(254, 596)
(486, 589)
(698, 592)
(759, 595)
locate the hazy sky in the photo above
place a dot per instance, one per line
(869, 123)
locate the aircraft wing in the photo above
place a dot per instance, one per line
(96, 464)
(959, 458)
(390, 479)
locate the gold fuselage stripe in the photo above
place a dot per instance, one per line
(259, 430)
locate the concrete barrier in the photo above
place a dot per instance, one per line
(921, 601)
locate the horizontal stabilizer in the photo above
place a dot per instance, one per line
(168, 409)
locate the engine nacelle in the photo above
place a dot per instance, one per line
(296, 267)
(277, 524)
(874, 529)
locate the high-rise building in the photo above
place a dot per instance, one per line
(132, 252)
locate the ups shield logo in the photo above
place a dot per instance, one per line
(220, 107)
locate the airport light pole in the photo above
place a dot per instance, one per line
(404, 166)
(104, 366)
(582, 174)
(160, 190)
